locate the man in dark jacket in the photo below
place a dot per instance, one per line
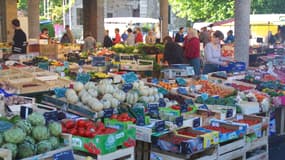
(19, 39)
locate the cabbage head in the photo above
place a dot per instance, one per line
(40, 133)
(14, 135)
(29, 139)
(43, 146)
(26, 149)
(55, 128)
(54, 142)
(36, 119)
(25, 126)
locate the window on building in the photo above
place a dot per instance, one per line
(136, 12)
(79, 16)
(109, 15)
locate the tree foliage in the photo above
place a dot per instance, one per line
(203, 10)
(55, 9)
(215, 10)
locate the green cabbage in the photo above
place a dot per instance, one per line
(36, 119)
(55, 128)
(11, 147)
(14, 135)
(54, 142)
(43, 146)
(29, 139)
(40, 133)
(25, 126)
(26, 149)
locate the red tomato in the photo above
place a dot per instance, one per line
(73, 131)
(175, 107)
(88, 133)
(114, 116)
(81, 132)
(81, 123)
(69, 124)
(89, 124)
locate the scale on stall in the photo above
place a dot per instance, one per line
(178, 70)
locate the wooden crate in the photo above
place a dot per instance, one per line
(232, 149)
(4, 74)
(7, 155)
(58, 83)
(142, 150)
(208, 154)
(40, 87)
(23, 78)
(121, 154)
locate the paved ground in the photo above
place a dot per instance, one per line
(277, 148)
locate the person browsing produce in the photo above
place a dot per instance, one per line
(173, 53)
(117, 36)
(213, 56)
(192, 50)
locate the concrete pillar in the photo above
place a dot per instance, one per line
(11, 13)
(242, 30)
(93, 12)
(164, 15)
(34, 18)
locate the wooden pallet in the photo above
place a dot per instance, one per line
(231, 150)
(122, 154)
(7, 155)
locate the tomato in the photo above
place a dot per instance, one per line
(69, 124)
(64, 130)
(73, 131)
(133, 120)
(88, 133)
(81, 123)
(124, 115)
(89, 124)
(114, 116)
(81, 132)
(175, 107)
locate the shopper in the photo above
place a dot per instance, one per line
(19, 39)
(204, 36)
(89, 43)
(192, 50)
(213, 56)
(69, 34)
(124, 36)
(230, 37)
(44, 34)
(107, 40)
(131, 38)
(179, 37)
(173, 53)
(139, 36)
(117, 36)
(150, 38)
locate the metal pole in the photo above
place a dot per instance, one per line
(69, 5)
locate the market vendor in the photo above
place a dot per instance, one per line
(173, 53)
(19, 39)
(44, 34)
(213, 56)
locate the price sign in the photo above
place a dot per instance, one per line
(161, 102)
(25, 111)
(197, 122)
(179, 121)
(108, 112)
(51, 116)
(98, 61)
(183, 108)
(190, 71)
(153, 109)
(159, 126)
(229, 113)
(64, 155)
(140, 121)
(83, 77)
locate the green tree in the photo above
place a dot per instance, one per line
(55, 9)
(203, 10)
(215, 10)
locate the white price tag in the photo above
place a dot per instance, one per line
(239, 116)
